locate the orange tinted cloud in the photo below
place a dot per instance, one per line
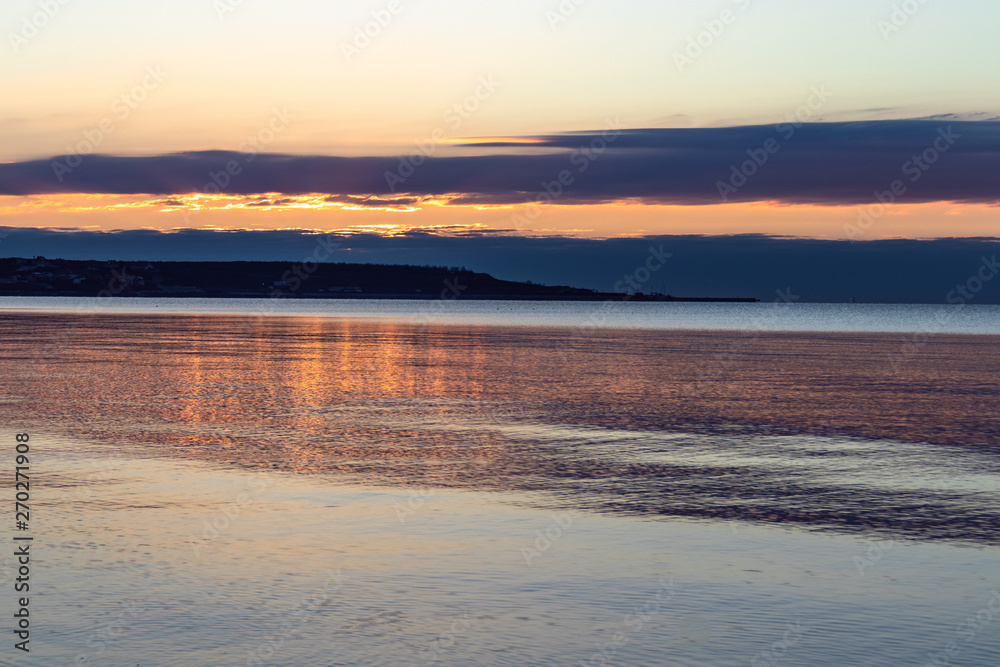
(440, 214)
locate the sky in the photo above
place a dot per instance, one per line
(772, 269)
(841, 120)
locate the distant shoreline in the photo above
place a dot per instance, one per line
(38, 276)
(645, 298)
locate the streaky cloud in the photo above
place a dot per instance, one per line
(841, 163)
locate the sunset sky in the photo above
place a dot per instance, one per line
(677, 117)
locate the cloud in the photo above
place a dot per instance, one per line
(840, 163)
(893, 271)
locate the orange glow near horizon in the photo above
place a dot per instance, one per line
(473, 141)
(447, 215)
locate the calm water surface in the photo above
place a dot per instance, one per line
(527, 492)
(784, 314)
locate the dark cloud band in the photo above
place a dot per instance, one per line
(890, 271)
(815, 163)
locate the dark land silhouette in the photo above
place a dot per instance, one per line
(59, 277)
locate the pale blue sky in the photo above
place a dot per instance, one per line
(610, 58)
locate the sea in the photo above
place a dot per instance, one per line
(418, 483)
